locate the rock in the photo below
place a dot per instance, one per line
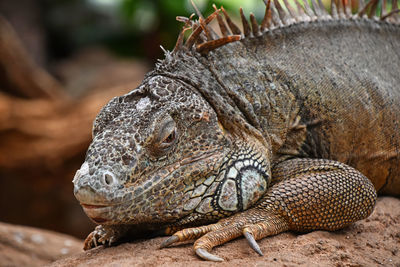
(370, 242)
(27, 246)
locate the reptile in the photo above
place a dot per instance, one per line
(288, 124)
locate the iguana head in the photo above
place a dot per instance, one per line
(161, 155)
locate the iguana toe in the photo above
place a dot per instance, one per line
(90, 242)
(169, 241)
(204, 254)
(208, 236)
(188, 233)
(252, 242)
(204, 244)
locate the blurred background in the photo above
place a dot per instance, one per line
(60, 62)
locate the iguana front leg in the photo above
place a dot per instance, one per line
(308, 194)
(104, 235)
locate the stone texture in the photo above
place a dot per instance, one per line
(27, 246)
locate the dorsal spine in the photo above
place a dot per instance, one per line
(203, 39)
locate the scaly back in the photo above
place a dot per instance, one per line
(331, 66)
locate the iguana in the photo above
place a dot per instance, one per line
(272, 128)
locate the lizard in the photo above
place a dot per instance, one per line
(291, 124)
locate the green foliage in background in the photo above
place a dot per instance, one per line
(155, 16)
(156, 19)
(132, 27)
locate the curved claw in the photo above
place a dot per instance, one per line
(169, 241)
(88, 242)
(252, 242)
(204, 254)
(112, 240)
(95, 240)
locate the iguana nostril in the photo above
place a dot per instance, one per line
(109, 178)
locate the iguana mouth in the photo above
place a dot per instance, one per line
(90, 206)
(98, 212)
(100, 208)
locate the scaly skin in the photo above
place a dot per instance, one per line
(312, 194)
(256, 137)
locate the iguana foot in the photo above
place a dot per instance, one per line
(309, 194)
(103, 235)
(253, 224)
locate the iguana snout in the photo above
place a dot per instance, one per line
(97, 191)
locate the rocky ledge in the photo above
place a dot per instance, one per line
(371, 242)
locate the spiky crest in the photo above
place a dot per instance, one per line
(203, 40)
(277, 15)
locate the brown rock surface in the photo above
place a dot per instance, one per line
(371, 242)
(27, 246)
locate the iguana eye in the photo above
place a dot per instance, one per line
(166, 137)
(170, 138)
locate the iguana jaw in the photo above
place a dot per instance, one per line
(165, 191)
(96, 212)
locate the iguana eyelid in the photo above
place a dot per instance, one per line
(166, 137)
(170, 138)
(164, 131)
